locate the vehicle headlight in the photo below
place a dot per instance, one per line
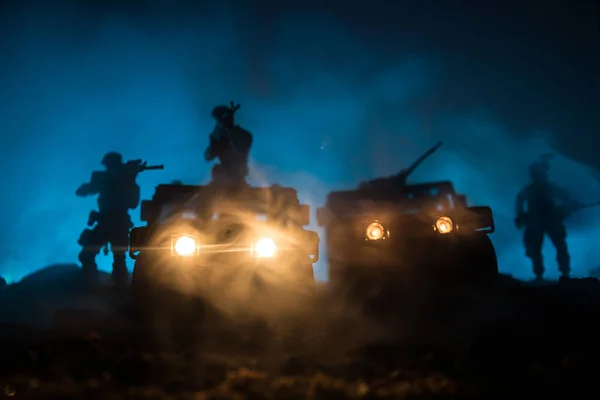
(185, 246)
(265, 248)
(375, 231)
(444, 225)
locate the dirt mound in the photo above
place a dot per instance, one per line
(512, 339)
(34, 299)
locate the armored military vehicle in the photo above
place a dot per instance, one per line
(242, 250)
(389, 229)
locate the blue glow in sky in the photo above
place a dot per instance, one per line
(326, 112)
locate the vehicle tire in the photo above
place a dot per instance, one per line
(165, 319)
(342, 283)
(144, 289)
(477, 261)
(355, 286)
(288, 320)
(307, 290)
(295, 328)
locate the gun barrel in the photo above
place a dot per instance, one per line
(590, 205)
(153, 167)
(406, 172)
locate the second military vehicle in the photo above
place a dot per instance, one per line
(388, 229)
(243, 250)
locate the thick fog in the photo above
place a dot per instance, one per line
(326, 109)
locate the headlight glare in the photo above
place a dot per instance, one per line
(265, 248)
(185, 246)
(375, 231)
(444, 225)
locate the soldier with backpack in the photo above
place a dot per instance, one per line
(118, 192)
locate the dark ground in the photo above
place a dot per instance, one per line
(512, 341)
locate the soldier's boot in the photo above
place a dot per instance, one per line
(119, 275)
(88, 266)
(538, 267)
(564, 262)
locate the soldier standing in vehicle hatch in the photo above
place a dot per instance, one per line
(540, 210)
(230, 144)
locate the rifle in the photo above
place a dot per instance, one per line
(562, 213)
(131, 170)
(139, 166)
(575, 206)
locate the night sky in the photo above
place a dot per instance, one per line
(334, 92)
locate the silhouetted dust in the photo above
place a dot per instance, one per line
(428, 342)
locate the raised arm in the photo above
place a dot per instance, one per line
(87, 189)
(92, 187)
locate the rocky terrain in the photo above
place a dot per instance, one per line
(516, 339)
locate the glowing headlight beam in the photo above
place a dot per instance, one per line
(185, 246)
(444, 225)
(265, 248)
(375, 231)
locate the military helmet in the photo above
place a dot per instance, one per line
(112, 158)
(538, 170)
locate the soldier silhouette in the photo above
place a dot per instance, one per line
(540, 209)
(230, 144)
(118, 193)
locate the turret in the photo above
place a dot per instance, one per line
(398, 180)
